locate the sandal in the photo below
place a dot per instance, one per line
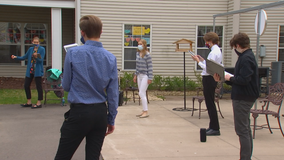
(26, 105)
(36, 106)
(138, 115)
(144, 116)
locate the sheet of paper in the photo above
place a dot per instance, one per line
(68, 46)
(229, 74)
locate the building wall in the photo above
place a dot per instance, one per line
(37, 15)
(231, 28)
(23, 15)
(269, 38)
(170, 20)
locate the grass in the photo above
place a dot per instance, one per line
(18, 96)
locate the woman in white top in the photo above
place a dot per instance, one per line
(144, 74)
(209, 84)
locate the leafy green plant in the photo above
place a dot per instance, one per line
(191, 85)
(157, 83)
(226, 88)
(162, 97)
(127, 80)
(198, 77)
(175, 83)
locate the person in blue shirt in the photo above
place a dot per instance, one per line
(35, 56)
(90, 76)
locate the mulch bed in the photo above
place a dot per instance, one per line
(14, 83)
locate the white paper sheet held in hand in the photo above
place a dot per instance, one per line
(229, 74)
(66, 47)
(213, 67)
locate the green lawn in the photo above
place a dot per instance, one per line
(18, 96)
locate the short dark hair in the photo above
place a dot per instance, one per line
(91, 25)
(241, 39)
(211, 36)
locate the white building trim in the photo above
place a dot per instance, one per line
(56, 34)
(32, 3)
(77, 19)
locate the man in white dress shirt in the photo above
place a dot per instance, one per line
(209, 84)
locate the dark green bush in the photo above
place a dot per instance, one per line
(127, 80)
(175, 83)
(157, 83)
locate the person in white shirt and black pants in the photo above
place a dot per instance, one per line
(209, 84)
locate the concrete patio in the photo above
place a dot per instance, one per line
(33, 134)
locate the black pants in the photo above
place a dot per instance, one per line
(28, 82)
(209, 86)
(83, 120)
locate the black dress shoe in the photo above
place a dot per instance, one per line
(208, 129)
(212, 132)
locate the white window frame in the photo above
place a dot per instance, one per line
(196, 45)
(123, 29)
(278, 42)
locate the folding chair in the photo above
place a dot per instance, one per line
(202, 98)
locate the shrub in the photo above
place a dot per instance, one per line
(127, 80)
(157, 83)
(175, 83)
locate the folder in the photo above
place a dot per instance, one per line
(213, 67)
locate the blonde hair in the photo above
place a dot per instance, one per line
(145, 49)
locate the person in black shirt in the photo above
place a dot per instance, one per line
(245, 90)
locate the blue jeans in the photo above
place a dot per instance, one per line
(242, 127)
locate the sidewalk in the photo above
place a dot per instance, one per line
(33, 134)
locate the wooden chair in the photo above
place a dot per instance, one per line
(274, 97)
(202, 98)
(52, 85)
(133, 90)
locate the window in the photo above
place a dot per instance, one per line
(10, 42)
(281, 44)
(202, 50)
(16, 38)
(35, 30)
(132, 35)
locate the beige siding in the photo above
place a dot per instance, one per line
(23, 15)
(269, 38)
(228, 35)
(170, 20)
